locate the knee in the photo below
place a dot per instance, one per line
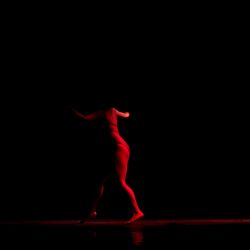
(102, 188)
(123, 183)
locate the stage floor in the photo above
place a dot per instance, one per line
(116, 234)
(123, 223)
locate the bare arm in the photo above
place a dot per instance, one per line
(122, 114)
(91, 116)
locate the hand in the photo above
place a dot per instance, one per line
(126, 114)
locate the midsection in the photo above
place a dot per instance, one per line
(112, 119)
(118, 139)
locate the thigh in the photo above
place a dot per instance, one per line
(121, 161)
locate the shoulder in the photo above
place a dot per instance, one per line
(109, 112)
(112, 110)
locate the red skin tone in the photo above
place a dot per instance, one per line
(122, 155)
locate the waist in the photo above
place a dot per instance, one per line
(118, 139)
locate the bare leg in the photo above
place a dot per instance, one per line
(100, 192)
(93, 212)
(121, 169)
(137, 213)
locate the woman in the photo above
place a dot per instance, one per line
(122, 154)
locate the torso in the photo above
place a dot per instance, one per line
(111, 117)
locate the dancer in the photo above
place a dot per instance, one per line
(122, 154)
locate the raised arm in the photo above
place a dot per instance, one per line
(91, 116)
(122, 114)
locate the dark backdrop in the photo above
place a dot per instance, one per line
(188, 129)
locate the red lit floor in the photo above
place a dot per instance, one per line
(142, 222)
(115, 234)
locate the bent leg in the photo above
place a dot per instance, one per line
(99, 194)
(100, 191)
(122, 155)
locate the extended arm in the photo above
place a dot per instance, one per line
(91, 116)
(122, 114)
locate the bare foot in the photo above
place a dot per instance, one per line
(93, 215)
(135, 217)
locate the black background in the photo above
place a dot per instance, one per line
(188, 131)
